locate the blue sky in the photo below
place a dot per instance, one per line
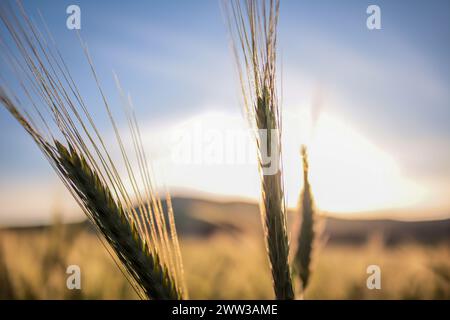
(389, 85)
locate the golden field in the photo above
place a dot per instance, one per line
(225, 264)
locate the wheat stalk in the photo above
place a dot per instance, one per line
(131, 220)
(254, 29)
(305, 239)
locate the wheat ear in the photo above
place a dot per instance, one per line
(132, 220)
(120, 233)
(254, 30)
(305, 239)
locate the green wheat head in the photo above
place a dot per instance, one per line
(253, 25)
(140, 233)
(134, 253)
(305, 240)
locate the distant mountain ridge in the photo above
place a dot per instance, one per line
(197, 217)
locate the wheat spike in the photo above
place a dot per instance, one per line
(254, 30)
(122, 234)
(131, 219)
(305, 240)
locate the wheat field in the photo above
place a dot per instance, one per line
(224, 266)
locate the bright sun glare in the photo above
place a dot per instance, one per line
(348, 172)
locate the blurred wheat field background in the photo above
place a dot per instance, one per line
(224, 259)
